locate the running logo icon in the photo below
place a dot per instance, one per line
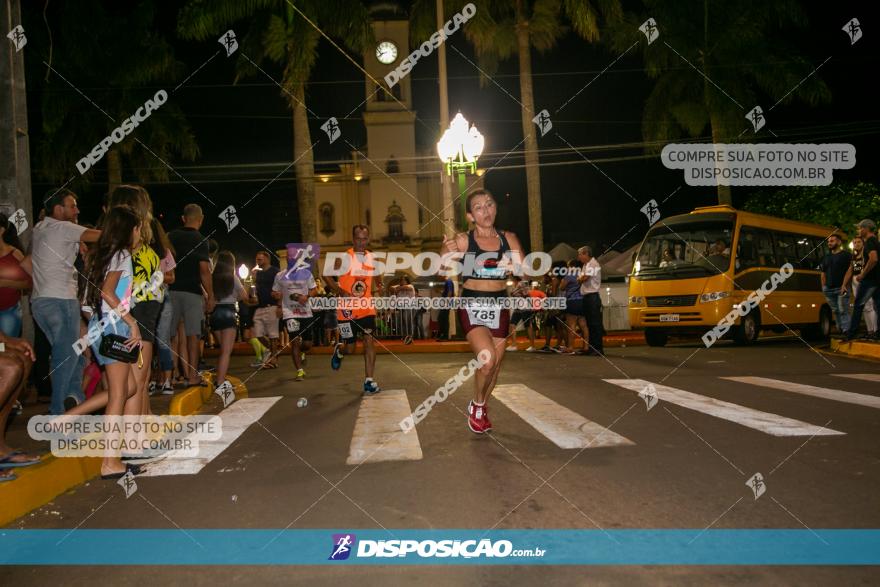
(229, 42)
(229, 217)
(342, 547)
(301, 260)
(652, 211)
(331, 127)
(17, 37)
(19, 219)
(756, 117)
(649, 396)
(853, 30)
(128, 484)
(757, 485)
(543, 121)
(650, 30)
(226, 393)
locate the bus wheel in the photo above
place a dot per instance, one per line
(747, 331)
(655, 337)
(822, 329)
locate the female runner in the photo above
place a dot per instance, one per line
(489, 254)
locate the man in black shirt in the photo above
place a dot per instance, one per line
(191, 294)
(267, 310)
(834, 267)
(869, 278)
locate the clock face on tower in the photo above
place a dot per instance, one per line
(386, 52)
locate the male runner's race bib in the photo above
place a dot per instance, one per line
(345, 330)
(487, 317)
(291, 324)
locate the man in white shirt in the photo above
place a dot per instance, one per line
(591, 282)
(54, 302)
(293, 288)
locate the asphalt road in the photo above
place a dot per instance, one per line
(682, 468)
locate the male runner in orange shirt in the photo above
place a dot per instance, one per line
(357, 282)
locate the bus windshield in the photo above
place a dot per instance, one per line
(685, 250)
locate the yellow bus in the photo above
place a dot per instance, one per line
(696, 271)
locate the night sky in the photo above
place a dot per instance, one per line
(243, 126)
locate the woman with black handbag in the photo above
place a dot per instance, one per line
(112, 328)
(147, 280)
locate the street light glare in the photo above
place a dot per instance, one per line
(473, 147)
(460, 141)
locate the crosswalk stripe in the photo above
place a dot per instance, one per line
(772, 424)
(838, 395)
(236, 419)
(377, 434)
(862, 376)
(566, 429)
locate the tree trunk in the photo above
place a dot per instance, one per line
(533, 173)
(724, 194)
(304, 166)
(114, 169)
(15, 164)
(15, 171)
(448, 214)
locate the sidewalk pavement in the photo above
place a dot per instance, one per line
(39, 484)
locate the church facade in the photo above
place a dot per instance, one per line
(389, 184)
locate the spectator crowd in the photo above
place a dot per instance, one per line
(123, 310)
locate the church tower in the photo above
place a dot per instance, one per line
(388, 185)
(389, 119)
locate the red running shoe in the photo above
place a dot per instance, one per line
(477, 421)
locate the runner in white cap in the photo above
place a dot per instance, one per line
(294, 288)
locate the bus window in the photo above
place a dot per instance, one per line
(821, 248)
(686, 249)
(809, 250)
(755, 248)
(786, 249)
(716, 255)
(746, 249)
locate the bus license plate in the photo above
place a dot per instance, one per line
(668, 317)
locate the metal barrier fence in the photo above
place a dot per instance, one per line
(405, 325)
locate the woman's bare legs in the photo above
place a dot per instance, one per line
(227, 340)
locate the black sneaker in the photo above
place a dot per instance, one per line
(70, 402)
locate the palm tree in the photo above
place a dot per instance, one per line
(277, 31)
(502, 28)
(739, 59)
(110, 64)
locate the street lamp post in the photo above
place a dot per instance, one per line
(459, 148)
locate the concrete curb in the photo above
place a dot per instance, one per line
(191, 400)
(856, 348)
(39, 484)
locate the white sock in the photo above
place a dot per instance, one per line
(479, 404)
